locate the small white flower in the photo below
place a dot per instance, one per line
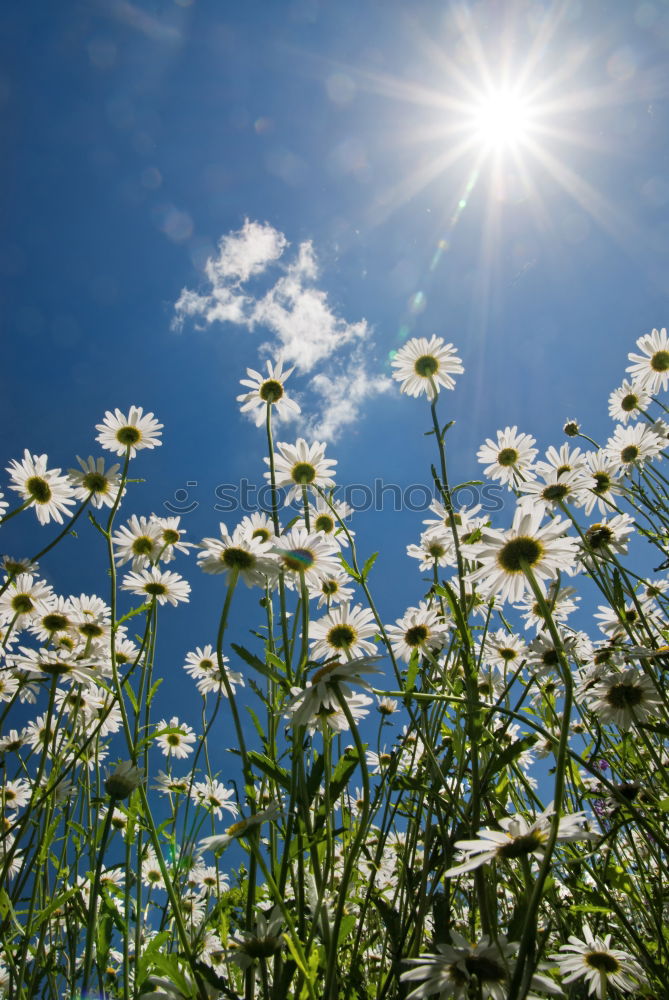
(267, 390)
(651, 368)
(175, 738)
(159, 585)
(423, 365)
(49, 493)
(128, 434)
(509, 459)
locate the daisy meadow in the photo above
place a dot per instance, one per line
(126, 435)
(423, 365)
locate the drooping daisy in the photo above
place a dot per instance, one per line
(239, 829)
(343, 633)
(631, 446)
(651, 368)
(267, 390)
(92, 481)
(250, 556)
(509, 459)
(309, 554)
(129, 434)
(215, 797)
(300, 465)
(157, 584)
(629, 399)
(329, 714)
(50, 494)
(423, 365)
(321, 691)
(501, 555)
(518, 839)
(175, 739)
(595, 961)
(137, 540)
(420, 628)
(622, 699)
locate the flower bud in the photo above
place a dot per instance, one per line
(122, 782)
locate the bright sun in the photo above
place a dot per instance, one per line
(502, 119)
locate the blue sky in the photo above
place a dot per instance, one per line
(138, 135)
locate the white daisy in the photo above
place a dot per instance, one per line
(257, 525)
(651, 368)
(129, 434)
(92, 481)
(420, 628)
(436, 549)
(423, 365)
(595, 961)
(503, 649)
(309, 554)
(629, 399)
(622, 699)
(214, 796)
(267, 389)
(600, 476)
(175, 739)
(554, 489)
(170, 538)
(325, 522)
(239, 829)
(301, 465)
(501, 555)
(249, 555)
(92, 617)
(561, 601)
(138, 540)
(332, 589)
(22, 598)
(49, 493)
(157, 584)
(631, 446)
(321, 691)
(202, 666)
(518, 839)
(558, 461)
(344, 632)
(608, 535)
(509, 459)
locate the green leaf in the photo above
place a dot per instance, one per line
(270, 768)
(412, 672)
(349, 569)
(510, 753)
(131, 614)
(257, 663)
(368, 565)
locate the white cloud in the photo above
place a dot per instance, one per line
(305, 328)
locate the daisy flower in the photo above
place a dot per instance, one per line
(501, 555)
(329, 712)
(92, 617)
(325, 522)
(600, 477)
(553, 489)
(250, 556)
(159, 585)
(214, 796)
(651, 368)
(240, 828)
(127, 435)
(518, 839)
(52, 616)
(609, 535)
(257, 525)
(343, 633)
(435, 549)
(48, 492)
(509, 459)
(138, 540)
(502, 649)
(202, 666)
(267, 390)
(420, 628)
(175, 738)
(301, 465)
(623, 699)
(93, 482)
(630, 398)
(562, 602)
(598, 964)
(170, 538)
(332, 589)
(322, 688)
(558, 461)
(423, 365)
(303, 553)
(631, 446)
(22, 598)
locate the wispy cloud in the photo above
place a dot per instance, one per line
(304, 327)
